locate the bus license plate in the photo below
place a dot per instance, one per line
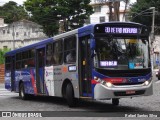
(130, 92)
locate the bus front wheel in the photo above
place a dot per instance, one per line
(22, 93)
(70, 95)
(115, 101)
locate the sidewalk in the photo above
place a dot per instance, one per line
(1, 85)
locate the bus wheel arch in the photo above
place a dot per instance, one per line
(64, 85)
(68, 93)
(20, 82)
(22, 93)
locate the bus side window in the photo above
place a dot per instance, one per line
(41, 56)
(70, 49)
(57, 52)
(49, 59)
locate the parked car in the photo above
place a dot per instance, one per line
(158, 74)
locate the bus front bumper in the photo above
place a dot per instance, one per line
(103, 92)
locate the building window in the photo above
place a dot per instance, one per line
(49, 54)
(25, 34)
(17, 33)
(33, 30)
(8, 32)
(5, 47)
(97, 9)
(4, 31)
(28, 33)
(102, 19)
(58, 52)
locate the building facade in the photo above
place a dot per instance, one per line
(20, 33)
(101, 12)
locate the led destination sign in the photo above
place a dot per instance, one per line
(121, 30)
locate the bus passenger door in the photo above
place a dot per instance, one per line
(13, 73)
(40, 64)
(85, 67)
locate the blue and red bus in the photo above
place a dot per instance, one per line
(99, 61)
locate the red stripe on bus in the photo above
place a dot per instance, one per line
(33, 83)
(94, 82)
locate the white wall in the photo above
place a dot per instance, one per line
(94, 18)
(26, 32)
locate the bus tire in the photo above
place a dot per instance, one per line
(115, 101)
(70, 95)
(22, 93)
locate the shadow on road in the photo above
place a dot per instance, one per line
(88, 105)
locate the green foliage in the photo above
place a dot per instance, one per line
(48, 13)
(2, 53)
(12, 12)
(141, 13)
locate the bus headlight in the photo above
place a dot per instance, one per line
(146, 83)
(108, 84)
(103, 82)
(95, 78)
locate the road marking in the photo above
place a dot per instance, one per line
(2, 89)
(4, 92)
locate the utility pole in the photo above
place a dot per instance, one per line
(13, 34)
(152, 36)
(153, 19)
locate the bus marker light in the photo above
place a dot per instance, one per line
(84, 62)
(95, 78)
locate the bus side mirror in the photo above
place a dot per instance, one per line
(92, 44)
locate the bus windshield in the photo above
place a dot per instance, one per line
(122, 53)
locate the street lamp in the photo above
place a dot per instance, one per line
(152, 35)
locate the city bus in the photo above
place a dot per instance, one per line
(105, 61)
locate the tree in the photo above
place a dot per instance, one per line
(49, 13)
(141, 13)
(12, 12)
(2, 53)
(125, 10)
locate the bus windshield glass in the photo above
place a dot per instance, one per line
(122, 53)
